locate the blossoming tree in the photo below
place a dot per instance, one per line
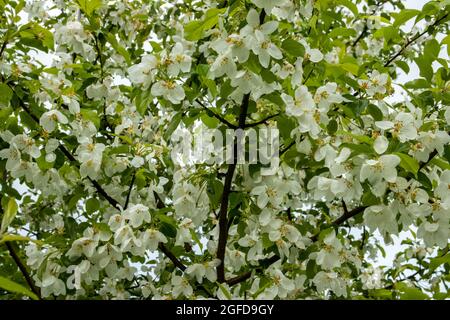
(95, 95)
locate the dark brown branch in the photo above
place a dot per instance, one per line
(223, 211)
(284, 150)
(171, 256)
(103, 193)
(216, 115)
(366, 28)
(347, 215)
(361, 35)
(23, 269)
(430, 157)
(160, 204)
(413, 39)
(127, 200)
(254, 124)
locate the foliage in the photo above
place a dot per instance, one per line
(94, 206)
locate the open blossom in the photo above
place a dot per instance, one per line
(224, 64)
(326, 95)
(376, 84)
(300, 104)
(177, 61)
(383, 168)
(137, 214)
(143, 72)
(51, 118)
(402, 127)
(258, 37)
(169, 89)
(235, 44)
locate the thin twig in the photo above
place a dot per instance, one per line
(216, 115)
(413, 39)
(254, 124)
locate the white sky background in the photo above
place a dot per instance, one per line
(391, 250)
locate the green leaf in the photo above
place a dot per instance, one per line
(224, 291)
(175, 121)
(431, 49)
(438, 261)
(425, 181)
(446, 41)
(375, 112)
(210, 122)
(402, 65)
(408, 163)
(404, 16)
(12, 286)
(332, 127)
(120, 49)
(195, 30)
(89, 6)
(293, 47)
(5, 94)
(91, 115)
(92, 205)
(16, 237)
(424, 64)
(8, 214)
(350, 5)
(412, 294)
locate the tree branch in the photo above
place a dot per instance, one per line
(413, 39)
(23, 269)
(254, 124)
(160, 204)
(127, 200)
(216, 115)
(223, 211)
(285, 149)
(103, 193)
(347, 215)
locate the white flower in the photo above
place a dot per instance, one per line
(137, 214)
(381, 218)
(330, 281)
(258, 37)
(301, 104)
(326, 96)
(443, 188)
(202, 270)
(268, 5)
(403, 127)
(170, 90)
(434, 233)
(383, 168)
(27, 145)
(272, 190)
(313, 55)
(177, 61)
(13, 156)
(151, 239)
(381, 144)
(376, 84)
(181, 286)
(233, 43)
(50, 118)
(224, 64)
(329, 256)
(143, 72)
